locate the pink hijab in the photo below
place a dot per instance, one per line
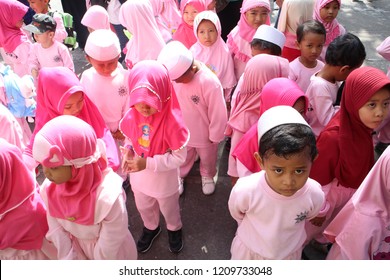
(10, 13)
(146, 41)
(332, 28)
(158, 7)
(68, 140)
(278, 91)
(185, 33)
(149, 83)
(10, 129)
(96, 17)
(23, 223)
(217, 57)
(243, 33)
(170, 14)
(258, 71)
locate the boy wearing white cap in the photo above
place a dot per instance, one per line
(201, 99)
(46, 52)
(271, 206)
(267, 39)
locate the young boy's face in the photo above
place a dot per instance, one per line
(189, 14)
(74, 104)
(376, 109)
(104, 68)
(207, 33)
(39, 6)
(329, 12)
(45, 39)
(187, 76)
(256, 16)
(58, 175)
(311, 47)
(286, 176)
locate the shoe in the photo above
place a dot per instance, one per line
(147, 238)
(208, 185)
(175, 241)
(181, 185)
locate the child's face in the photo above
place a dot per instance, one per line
(189, 14)
(19, 24)
(256, 16)
(104, 68)
(376, 109)
(145, 110)
(45, 39)
(207, 33)
(286, 176)
(329, 12)
(58, 175)
(74, 104)
(311, 47)
(300, 106)
(39, 6)
(187, 76)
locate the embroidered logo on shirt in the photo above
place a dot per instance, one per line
(122, 91)
(301, 217)
(195, 99)
(57, 58)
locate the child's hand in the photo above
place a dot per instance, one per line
(127, 154)
(117, 135)
(318, 221)
(34, 73)
(136, 164)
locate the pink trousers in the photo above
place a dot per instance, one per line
(208, 160)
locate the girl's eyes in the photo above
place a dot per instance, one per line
(278, 171)
(299, 171)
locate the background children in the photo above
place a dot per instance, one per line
(310, 41)
(46, 52)
(156, 138)
(86, 208)
(96, 17)
(292, 14)
(14, 44)
(267, 39)
(344, 54)
(201, 100)
(326, 11)
(23, 224)
(158, 7)
(212, 50)
(345, 146)
(185, 31)
(10, 129)
(283, 188)
(361, 230)
(384, 50)
(278, 91)
(146, 41)
(253, 14)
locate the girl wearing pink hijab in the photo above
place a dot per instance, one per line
(278, 91)
(245, 109)
(96, 17)
(170, 14)
(158, 7)
(212, 50)
(86, 205)
(253, 14)
(14, 44)
(146, 41)
(61, 93)
(23, 222)
(326, 11)
(156, 138)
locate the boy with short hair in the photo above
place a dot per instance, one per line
(343, 55)
(46, 52)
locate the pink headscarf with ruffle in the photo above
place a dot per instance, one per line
(332, 28)
(217, 57)
(70, 141)
(149, 83)
(96, 17)
(10, 13)
(278, 91)
(23, 223)
(259, 70)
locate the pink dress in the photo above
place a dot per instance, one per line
(301, 74)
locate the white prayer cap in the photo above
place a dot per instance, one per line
(102, 45)
(270, 34)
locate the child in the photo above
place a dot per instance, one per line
(61, 93)
(185, 31)
(293, 13)
(326, 11)
(344, 54)
(253, 14)
(267, 39)
(201, 100)
(170, 14)
(278, 91)
(345, 146)
(96, 17)
(212, 50)
(365, 218)
(23, 224)
(310, 41)
(46, 52)
(43, 7)
(158, 7)
(10, 129)
(153, 161)
(384, 50)
(146, 41)
(14, 44)
(86, 208)
(246, 99)
(271, 206)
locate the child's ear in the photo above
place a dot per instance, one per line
(259, 160)
(298, 45)
(344, 69)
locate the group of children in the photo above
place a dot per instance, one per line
(301, 144)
